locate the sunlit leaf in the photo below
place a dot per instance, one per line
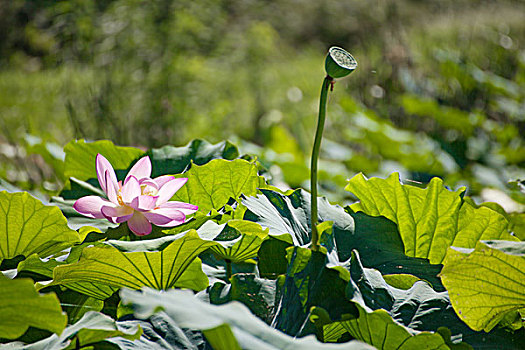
(430, 220)
(244, 238)
(288, 217)
(213, 184)
(29, 227)
(81, 155)
(315, 280)
(487, 284)
(21, 307)
(401, 280)
(222, 338)
(45, 268)
(159, 263)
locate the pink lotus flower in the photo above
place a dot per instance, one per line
(140, 200)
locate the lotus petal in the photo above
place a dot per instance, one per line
(141, 169)
(102, 166)
(139, 225)
(91, 206)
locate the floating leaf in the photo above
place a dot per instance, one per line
(251, 333)
(159, 263)
(486, 284)
(21, 307)
(29, 227)
(430, 220)
(174, 160)
(211, 186)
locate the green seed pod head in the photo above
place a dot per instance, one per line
(339, 63)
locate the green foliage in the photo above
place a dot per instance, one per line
(163, 263)
(211, 186)
(360, 287)
(92, 329)
(21, 307)
(30, 227)
(401, 280)
(244, 240)
(289, 215)
(378, 239)
(80, 157)
(430, 220)
(189, 312)
(439, 93)
(258, 294)
(378, 329)
(486, 283)
(175, 160)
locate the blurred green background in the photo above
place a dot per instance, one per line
(439, 91)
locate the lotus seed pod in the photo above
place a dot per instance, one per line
(339, 63)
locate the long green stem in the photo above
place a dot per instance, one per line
(315, 157)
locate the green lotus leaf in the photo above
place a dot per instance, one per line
(175, 160)
(289, 215)
(486, 284)
(377, 328)
(517, 225)
(91, 329)
(272, 258)
(430, 220)
(33, 264)
(97, 290)
(210, 186)
(81, 155)
(159, 332)
(188, 311)
(258, 294)
(417, 309)
(22, 307)
(401, 280)
(76, 305)
(160, 263)
(288, 219)
(30, 227)
(221, 337)
(247, 239)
